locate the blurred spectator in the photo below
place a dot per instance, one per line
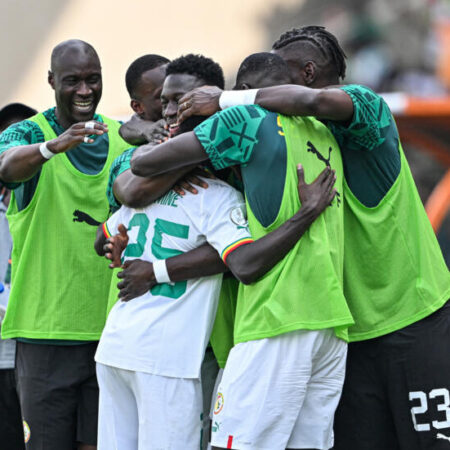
(11, 430)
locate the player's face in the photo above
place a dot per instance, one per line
(174, 87)
(77, 81)
(148, 94)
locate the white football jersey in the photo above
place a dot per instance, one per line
(165, 331)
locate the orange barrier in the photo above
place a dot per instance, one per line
(438, 202)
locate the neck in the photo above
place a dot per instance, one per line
(63, 121)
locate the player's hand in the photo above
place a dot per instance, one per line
(201, 101)
(320, 193)
(115, 245)
(191, 180)
(76, 134)
(157, 132)
(137, 279)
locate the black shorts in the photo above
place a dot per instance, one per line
(11, 430)
(58, 394)
(397, 389)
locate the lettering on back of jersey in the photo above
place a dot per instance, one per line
(169, 199)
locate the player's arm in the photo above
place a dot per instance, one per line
(291, 100)
(251, 261)
(137, 192)
(22, 162)
(177, 153)
(138, 131)
(100, 241)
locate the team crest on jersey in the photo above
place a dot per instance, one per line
(238, 217)
(219, 403)
(26, 432)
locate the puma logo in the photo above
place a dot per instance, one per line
(443, 436)
(319, 155)
(80, 216)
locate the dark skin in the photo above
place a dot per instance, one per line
(247, 263)
(146, 125)
(76, 79)
(138, 192)
(310, 95)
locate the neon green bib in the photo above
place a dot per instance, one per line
(304, 290)
(394, 272)
(59, 285)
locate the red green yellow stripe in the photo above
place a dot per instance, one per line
(232, 247)
(105, 230)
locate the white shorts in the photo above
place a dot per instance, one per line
(280, 392)
(140, 411)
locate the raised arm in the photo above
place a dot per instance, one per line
(20, 163)
(138, 131)
(177, 153)
(290, 100)
(251, 261)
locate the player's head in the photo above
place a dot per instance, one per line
(313, 54)
(14, 112)
(76, 77)
(262, 70)
(182, 75)
(144, 80)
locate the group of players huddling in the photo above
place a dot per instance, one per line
(274, 224)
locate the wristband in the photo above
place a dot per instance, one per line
(236, 98)
(45, 152)
(160, 271)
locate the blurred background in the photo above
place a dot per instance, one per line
(400, 48)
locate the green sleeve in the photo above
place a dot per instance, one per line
(370, 116)
(119, 165)
(18, 134)
(230, 136)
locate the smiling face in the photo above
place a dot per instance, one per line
(147, 101)
(174, 87)
(77, 81)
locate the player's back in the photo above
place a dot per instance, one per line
(165, 331)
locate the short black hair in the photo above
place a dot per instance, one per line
(263, 62)
(324, 41)
(15, 111)
(200, 66)
(138, 67)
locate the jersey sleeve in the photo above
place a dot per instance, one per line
(229, 136)
(225, 220)
(18, 134)
(110, 227)
(119, 165)
(370, 116)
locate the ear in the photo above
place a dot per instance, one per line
(51, 79)
(309, 73)
(137, 107)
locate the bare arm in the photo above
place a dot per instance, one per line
(251, 261)
(138, 192)
(138, 131)
(290, 100)
(21, 163)
(179, 152)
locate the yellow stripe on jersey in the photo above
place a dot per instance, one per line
(234, 246)
(106, 232)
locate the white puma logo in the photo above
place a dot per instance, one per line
(443, 436)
